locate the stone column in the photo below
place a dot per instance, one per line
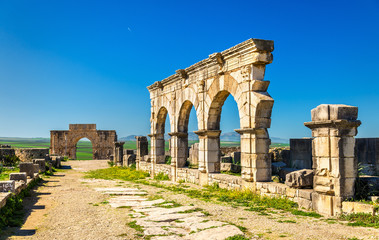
(179, 145)
(255, 161)
(157, 148)
(209, 151)
(142, 148)
(118, 153)
(333, 128)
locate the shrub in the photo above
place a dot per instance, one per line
(168, 160)
(10, 160)
(161, 176)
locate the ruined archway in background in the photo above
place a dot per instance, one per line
(238, 71)
(84, 149)
(64, 142)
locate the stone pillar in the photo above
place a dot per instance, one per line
(333, 128)
(255, 160)
(209, 151)
(142, 148)
(118, 153)
(157, 149)
(179, 145)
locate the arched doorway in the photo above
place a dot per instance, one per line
(84, 149)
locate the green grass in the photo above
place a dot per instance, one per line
(134, 225)
(122, 173)
(361, 220)
(4, 175)
(161, 176)
(246, 198)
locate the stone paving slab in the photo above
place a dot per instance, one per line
(173, 217)
(169, 223)
(215, 233)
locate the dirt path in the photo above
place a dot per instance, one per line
(70, 207)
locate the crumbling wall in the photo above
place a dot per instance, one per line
(28, 154)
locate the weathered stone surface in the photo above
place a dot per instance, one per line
(236, 157)
(334, 127)
(300, 179)
(276, 166)
(41, 163)
(212, 234)
(64, 142)
(18, 176)
(301, 153)
(357, 207)
(226, 159)
(28, 154)
(28, 168)
(129, 159)
(238, 71)
(36, 168)
(7, 186)
(194, 154)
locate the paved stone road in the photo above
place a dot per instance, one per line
(166, 221)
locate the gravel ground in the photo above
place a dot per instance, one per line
(68, 207)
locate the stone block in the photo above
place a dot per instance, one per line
(357, 207)
(41, 163)
(28, 168)
(128, 151)
(300, 179)
(284, 171)
(236, 168)
(227, 159)
(304, 203)
(7, 186)
(276, 166)
(18, 176)
(301, 153)
(334, 112)
(226, 167)
(36, 168)
(236, 157)
(323, 204)
(305, 193)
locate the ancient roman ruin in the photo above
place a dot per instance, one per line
(63, 142)
(326, 175)
(238, 71)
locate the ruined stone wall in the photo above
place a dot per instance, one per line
(367, 154)
(188, 175)
(64, 142)
(301, 153)
(28, 154)
(163, 168)
(7, 151)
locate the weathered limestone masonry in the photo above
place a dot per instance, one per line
(64, 142)
(238, 71)
(335, 169)
(17, 182)
(118, 153)
(28, 154)
(142, 150)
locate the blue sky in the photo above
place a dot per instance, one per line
(67, 62)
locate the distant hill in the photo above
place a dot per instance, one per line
(128, 138)
(225, 137)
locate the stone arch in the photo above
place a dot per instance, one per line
(161, 120)
(64, 142)
(75, 141)
(238, 71)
